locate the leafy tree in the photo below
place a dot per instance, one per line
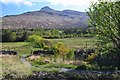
(105, 17)
(8, 36)
(24, 36)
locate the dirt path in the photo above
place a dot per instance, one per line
(24, 61)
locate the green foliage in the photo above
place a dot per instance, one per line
(38, 62)
(61, 65)
(104, 16)
(9, 36)
(22, 34)
(108, 61)
(70, 55)
(36, 41)
(23, 37)
(59, 48)
(91, 58)
(85, 67)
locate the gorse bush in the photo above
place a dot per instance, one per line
(60, 48)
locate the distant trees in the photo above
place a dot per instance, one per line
(22, 34)
(8, 36)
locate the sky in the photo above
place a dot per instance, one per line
(13, 7)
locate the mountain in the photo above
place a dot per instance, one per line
(46, 18)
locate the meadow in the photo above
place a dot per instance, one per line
(23, 48)
(45, 66)
(74, 43)
(77, 43)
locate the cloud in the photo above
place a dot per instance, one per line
(28, 3)
(18, 2)
(71, 2)
(52, 2)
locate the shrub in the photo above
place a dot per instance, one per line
(60, 50)
(70, 55)
(38, 41)
(91, 58)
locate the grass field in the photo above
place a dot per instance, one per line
(76, 43)
(73, 43)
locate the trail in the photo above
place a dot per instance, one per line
(24, 61)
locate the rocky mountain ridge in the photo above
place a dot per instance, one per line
(46, 18)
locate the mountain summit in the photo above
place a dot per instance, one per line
(46, 17)
(46, 9)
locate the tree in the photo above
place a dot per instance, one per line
(24, 36)
(8, 36)
(105, 16)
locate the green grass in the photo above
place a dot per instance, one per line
(13, 45)
(76, 42)
(20, 47)
(53, 66)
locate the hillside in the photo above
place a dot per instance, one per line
(46, 18)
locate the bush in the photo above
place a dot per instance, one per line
(60, 50)
(91, 58)
(70, 55)
(108, 61)
(36, 41)
(38, 62)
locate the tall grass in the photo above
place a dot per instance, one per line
(11, 66)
